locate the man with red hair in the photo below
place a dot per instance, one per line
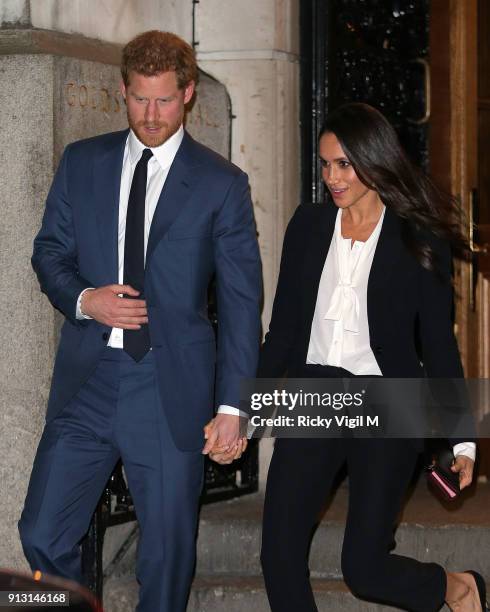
(136, 224)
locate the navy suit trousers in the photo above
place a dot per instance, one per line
(118, 413)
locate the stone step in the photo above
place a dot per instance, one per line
(456, 535)
(224, 593)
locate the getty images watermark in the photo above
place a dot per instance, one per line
(286, 400)
(376, 407)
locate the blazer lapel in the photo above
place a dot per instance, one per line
(320, 244)
(178, 186)
(107, 183)
(385, 257)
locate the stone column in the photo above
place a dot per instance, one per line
(47, 101)
(27, 329)
(253, 48)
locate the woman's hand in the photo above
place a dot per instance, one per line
(464, 466)
(224, 454)
(227, 457)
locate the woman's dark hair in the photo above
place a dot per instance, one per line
(372, 147)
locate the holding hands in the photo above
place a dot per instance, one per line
(223, 441)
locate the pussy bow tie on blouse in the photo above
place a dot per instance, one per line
(344, 304)
(349, 263)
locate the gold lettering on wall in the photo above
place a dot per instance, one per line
(70, 94)
(116, 101)
(82, 96)
(105, 105)
(87, 96)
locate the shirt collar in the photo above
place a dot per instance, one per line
(164, 153)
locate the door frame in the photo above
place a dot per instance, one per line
(453, 153)
(453, 142)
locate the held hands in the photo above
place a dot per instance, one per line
(464, 466)
(105, 306)
(223, 443)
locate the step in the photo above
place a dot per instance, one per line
(224, 593)
(455, 535)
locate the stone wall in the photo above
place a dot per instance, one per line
(27, 321)
(109, 20)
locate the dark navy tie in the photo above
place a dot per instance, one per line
(136, 341)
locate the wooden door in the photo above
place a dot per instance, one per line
(459, 146)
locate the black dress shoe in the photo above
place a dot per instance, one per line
(482, 589)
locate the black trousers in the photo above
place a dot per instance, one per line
(299, 482)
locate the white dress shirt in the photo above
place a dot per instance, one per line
(340, 328)
(158, 168)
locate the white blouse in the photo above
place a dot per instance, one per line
(340, 329)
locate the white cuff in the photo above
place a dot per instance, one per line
(468, 449)
(79, 313)
(223, 409)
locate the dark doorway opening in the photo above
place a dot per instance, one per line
(373, 51)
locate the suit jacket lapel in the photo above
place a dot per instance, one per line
(320, 244)
(175, 193)
(385, 257)
(107, 183)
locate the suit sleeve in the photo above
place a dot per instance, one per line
(440, 352)
(55, 251)
(238, 292)
(285, 321)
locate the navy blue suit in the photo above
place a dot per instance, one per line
(100, 399)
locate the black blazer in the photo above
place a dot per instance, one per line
(409, 308)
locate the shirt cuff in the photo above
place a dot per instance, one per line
(223, 409)
(79, 313)
(468, 449)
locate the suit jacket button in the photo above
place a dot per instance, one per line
(378, 350)
(105, 336)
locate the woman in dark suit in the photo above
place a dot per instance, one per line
(355, 279)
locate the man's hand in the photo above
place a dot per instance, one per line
(105, 306)
(221, 433)
(464, 466)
